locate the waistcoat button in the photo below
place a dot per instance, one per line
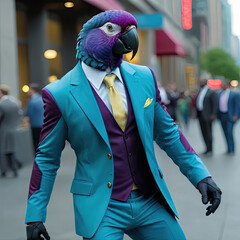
(109, 156)
(109, 185)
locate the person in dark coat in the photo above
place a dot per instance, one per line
(238, 104)
(173, 97)
(206, 105)
(10, 118)
(228, 106)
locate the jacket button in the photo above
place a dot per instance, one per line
(109, 156)
(109, 185)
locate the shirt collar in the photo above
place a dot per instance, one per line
(95, 76)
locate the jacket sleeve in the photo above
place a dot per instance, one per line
(172, 141)
(47, 160)
(1, 115)
(236, 104)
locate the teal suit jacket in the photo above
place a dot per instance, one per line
(81, 123)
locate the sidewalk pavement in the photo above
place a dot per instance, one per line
(223, 225)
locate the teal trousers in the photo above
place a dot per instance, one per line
(139, 218)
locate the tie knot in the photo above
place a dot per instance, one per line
(109, 80)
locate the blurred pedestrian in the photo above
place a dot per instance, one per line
(35, 112)
(228, 114)
(163, 95)
(238, 104)
(206, 105)
(183, 106)
(192, 104)
(10, 118)
(173, 96)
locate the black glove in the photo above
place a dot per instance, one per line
(210, 193)
(35, 230)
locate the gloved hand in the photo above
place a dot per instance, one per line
(35, 230)
(210, 193)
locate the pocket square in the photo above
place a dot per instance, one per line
(148, 102)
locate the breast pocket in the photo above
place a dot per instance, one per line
(149, 115)
(150, 106)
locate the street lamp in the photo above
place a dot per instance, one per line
(50, 54)
(69, 4)
(52, 78)
(25, 88)
(234, 83)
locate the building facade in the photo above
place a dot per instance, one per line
(172, 51)
(213, 26)
(8, 46)
(235, 49)
(226, 26)
(29, 29)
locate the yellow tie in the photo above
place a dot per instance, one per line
(118, 108)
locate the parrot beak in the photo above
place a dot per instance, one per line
(127, 42)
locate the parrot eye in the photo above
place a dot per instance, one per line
(111, 29)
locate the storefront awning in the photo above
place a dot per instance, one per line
(105, 4)
(168, 44)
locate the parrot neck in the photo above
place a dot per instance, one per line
(100, 65)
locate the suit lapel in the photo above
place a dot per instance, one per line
(134, 89)
(83, 94)
(206, 96)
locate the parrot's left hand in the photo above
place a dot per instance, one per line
(210, 193)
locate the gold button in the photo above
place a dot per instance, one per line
(109, 185)
(109, 156)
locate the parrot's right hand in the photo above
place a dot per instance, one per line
(36, 230)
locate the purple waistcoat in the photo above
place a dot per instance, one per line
(130, 163)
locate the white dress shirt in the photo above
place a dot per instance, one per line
(223, 101)
(95, 77)
(201, 97)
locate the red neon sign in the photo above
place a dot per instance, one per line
(187, 14)
(214, 83)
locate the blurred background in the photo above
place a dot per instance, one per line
(37, 38)
(183, 41)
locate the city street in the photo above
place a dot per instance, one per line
(98, 58)
(223, 225)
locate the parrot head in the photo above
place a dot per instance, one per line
(106, 37)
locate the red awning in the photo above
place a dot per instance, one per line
(106, 4)
(168, 44)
